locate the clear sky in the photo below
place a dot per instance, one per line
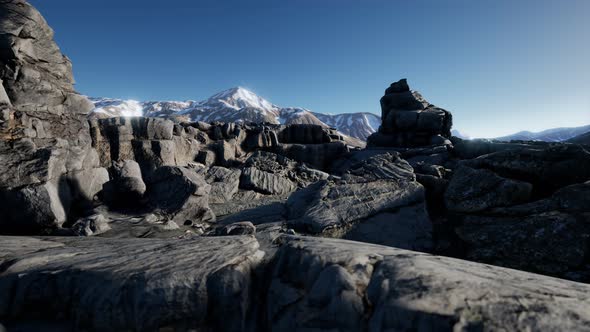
(499, 65)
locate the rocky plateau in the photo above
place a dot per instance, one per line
(149, 224)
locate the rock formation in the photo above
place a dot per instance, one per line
(408, 120)
(137, 223)
(47, 162)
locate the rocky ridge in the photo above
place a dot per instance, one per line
(146, 223)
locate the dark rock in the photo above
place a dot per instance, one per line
(319, 156)
(407, 228)
(548, 167)
(35, 209)
(206, 157)
(408, 120)
(472, 190)
(551, 243)
(123, 192)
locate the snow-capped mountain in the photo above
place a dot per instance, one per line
(238, 105)
(549, 135)
(359, 125)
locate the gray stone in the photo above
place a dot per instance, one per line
(181, 193)
(86, 184)
(330, 284)
(407, 228)
(35, 209)
(206, 157)
(382, 183)
(127, 169)
(265, 182)
(237, 228)
(201, 283)
(224, 183)
(92, 225)
(123, 192)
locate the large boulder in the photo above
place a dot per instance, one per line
(181, 193)
(266, 182)
(382, 185)
(319, 156)
(224, 183)
(35, 209)
(408, 120)
(127, 187)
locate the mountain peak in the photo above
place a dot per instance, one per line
(238, 98)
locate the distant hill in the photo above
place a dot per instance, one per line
(549, 135)
(581, 139)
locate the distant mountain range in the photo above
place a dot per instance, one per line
(238, 105)
(241, 105)
(549, 135)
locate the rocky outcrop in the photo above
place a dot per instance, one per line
(528, 236)
(129, 284)
(547, 167)
(328, 283)
(127, 186)
(408, 120)
(224, 183)
(472, 190)
(229, 284)
(180, 193)
(46, 157)
(367, 197)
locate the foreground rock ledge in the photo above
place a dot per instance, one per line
(127, 284)
(224, 284)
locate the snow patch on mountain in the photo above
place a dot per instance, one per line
(115, 107)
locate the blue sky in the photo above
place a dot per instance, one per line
(500, 66)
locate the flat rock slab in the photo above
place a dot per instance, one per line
(338, 285)
(128, 284)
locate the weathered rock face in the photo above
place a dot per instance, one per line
(380, 187)
(127, 187)
(224, 183)
(408, 120)
(547, 167)
(473, 190)
(522, 205)
(549, 236)
(227, 284)
(181, 193)
(139, 284)
(347, 286)
(45, 150)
